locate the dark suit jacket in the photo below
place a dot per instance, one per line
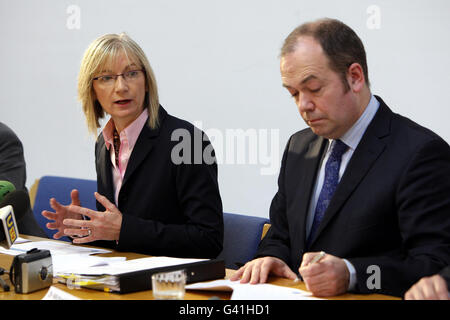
(168, 209)
(391, 208)
(12, 169)
(445, 273)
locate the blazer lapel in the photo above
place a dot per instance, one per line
(306, 177)
(368, 150)
(104, 167)
(143, 146)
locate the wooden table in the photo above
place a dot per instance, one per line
(6, 260)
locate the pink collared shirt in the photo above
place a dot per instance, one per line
(128, 138)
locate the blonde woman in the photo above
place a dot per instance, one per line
(151, 199)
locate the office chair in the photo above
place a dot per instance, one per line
(242, 235)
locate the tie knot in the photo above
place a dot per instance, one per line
(338, 149)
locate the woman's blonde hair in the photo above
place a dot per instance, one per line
(98, 55)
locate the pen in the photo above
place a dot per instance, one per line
(317, 257)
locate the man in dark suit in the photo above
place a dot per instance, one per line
(366, 186)
(12, 169)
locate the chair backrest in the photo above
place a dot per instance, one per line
(60, 188)
(266, 228)
(242, 235)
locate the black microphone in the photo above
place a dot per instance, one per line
(12, 208)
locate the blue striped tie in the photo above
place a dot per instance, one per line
(329, 185)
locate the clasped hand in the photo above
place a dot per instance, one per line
(68, 220)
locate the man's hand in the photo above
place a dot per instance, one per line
(428, 288)
(258, 270)
(327, 277)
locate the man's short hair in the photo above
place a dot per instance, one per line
(340, 43)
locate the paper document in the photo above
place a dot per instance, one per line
(215, 285)
(135, 265)
(246, 291)
(57, 294)
(73, 263)
(55, 248)
(21, 240)
(265, 291)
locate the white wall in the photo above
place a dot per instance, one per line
(216, 63)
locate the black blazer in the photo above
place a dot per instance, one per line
(445, 273)
(168, 209)
(391, 208)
